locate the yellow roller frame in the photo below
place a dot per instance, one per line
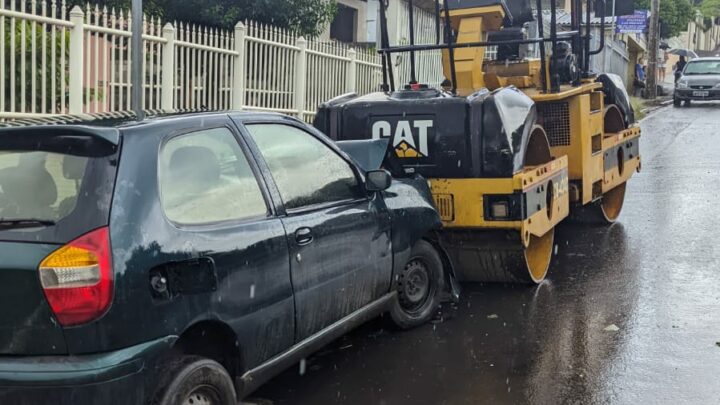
(461, 201)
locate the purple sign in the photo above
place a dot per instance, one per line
(633, 24)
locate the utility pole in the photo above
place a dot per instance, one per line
(136, 94)
(614, 20)
(653, 43)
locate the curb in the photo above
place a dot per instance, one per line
(649, 110)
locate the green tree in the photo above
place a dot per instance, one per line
(710, 8)
(306, 17)
(674, 15)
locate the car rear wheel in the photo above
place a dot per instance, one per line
(193, 380)
(419, 287)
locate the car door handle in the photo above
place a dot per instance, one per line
(303, 236)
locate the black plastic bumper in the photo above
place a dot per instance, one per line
(108, 378)
(689, 94)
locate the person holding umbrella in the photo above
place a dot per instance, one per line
(679, 67)
(684, 54)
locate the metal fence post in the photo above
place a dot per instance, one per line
(352, 72)
(168, 68)
(75, 62)
(300, 77)
(238, 91)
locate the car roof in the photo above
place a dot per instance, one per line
(123, 119)
(706, 59)
(108, 125)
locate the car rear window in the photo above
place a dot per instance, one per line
(54, 188)
(39, 185)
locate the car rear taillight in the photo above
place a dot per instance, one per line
(78, 280)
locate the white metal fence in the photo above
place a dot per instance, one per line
(428, 64)
(58, 61)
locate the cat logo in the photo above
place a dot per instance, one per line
(403, 139)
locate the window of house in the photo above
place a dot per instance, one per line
(344, 25)
(205, 178)
(306, 171)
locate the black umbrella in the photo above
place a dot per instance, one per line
(684, 52)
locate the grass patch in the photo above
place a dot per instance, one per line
(638, 105)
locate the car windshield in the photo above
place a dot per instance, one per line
(706, 67)
(41, 186)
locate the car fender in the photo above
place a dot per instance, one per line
(414, 217)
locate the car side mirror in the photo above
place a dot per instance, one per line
(378, 180)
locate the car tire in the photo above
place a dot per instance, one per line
(419, 287)
(677, 102)
(688, 103)
(194, 379)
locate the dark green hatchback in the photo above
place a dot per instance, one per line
(192, 257)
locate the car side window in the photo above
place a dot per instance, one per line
(205, 177)
(306, 171)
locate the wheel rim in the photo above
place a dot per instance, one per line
(538, 255)
(203, 395)
(612, 203)
(414, 286)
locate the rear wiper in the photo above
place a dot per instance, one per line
(24, 223)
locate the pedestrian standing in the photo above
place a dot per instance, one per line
(639, 81)
(662, 65)
(679, 67)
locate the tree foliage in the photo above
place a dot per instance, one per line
(674, 15)
(710, 8)
(306, 17)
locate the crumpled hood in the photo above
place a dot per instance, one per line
(368, 154)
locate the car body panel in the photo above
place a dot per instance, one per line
(115, 377)
(27, 325)
(332, 276)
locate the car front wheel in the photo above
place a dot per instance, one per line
(193, 380)
(419, 287)
(677, 102)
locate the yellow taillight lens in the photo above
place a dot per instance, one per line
(70, 256)
(70, 266)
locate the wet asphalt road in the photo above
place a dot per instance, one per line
(654, 276)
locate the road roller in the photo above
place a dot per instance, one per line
(512, 144)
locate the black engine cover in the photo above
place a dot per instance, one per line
(438, 135)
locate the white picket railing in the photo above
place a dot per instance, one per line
(428, 64)
(59, 61)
